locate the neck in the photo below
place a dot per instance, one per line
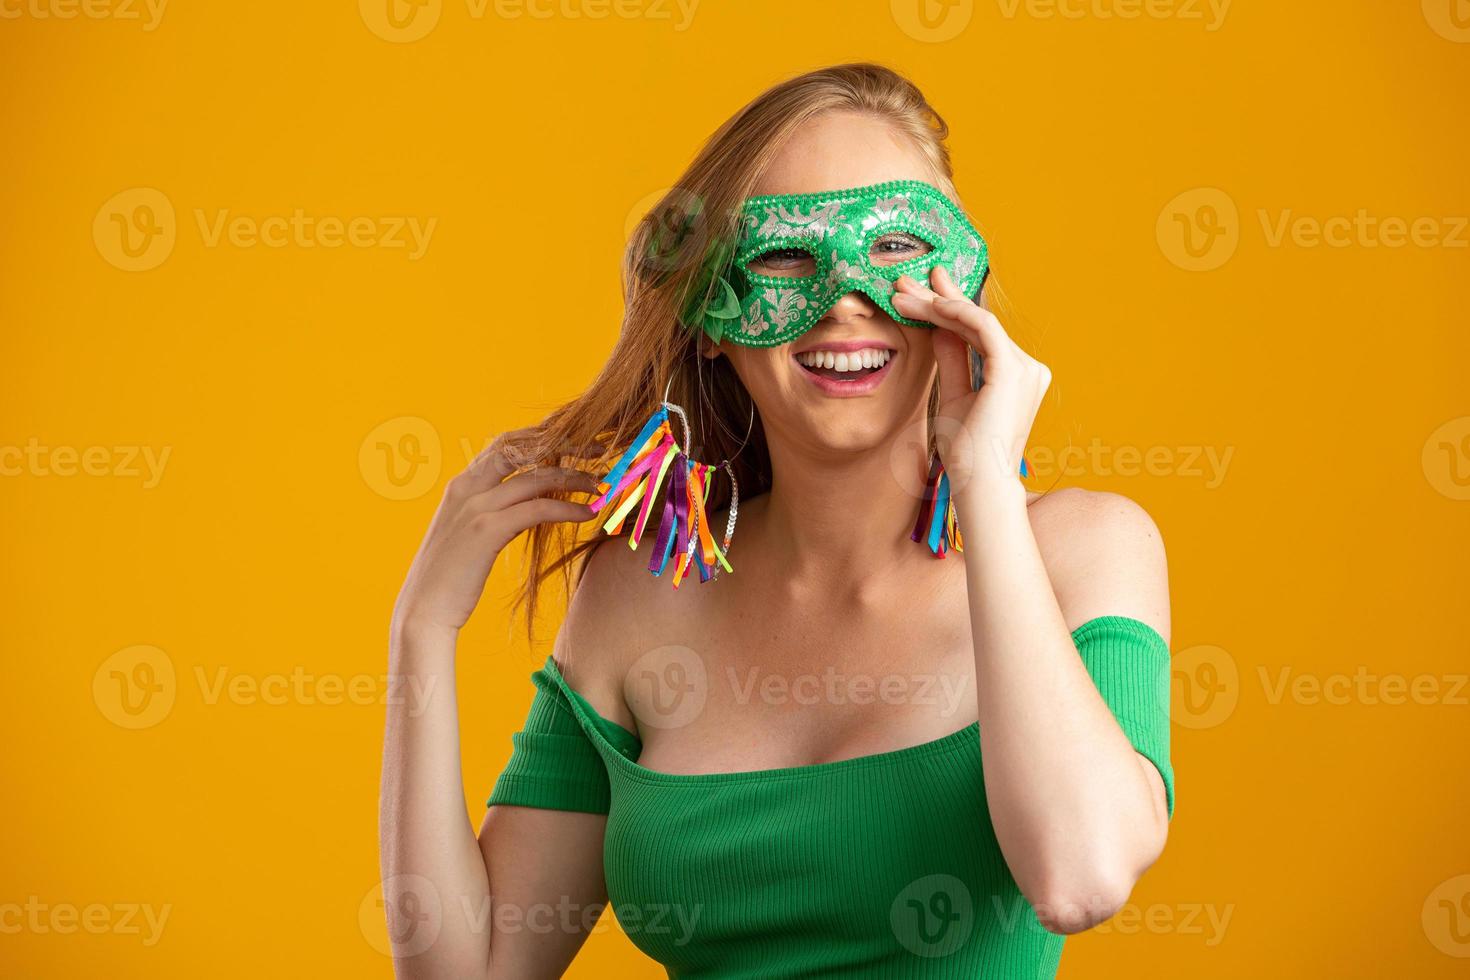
(839, 521)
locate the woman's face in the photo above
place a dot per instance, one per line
(800, 399)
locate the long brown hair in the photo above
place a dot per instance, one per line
(662, 268)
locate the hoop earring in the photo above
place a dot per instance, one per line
(635, 481)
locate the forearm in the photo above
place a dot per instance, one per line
(1073, 809)
(423, 822)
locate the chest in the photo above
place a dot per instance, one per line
(765, 685)
(885, 865)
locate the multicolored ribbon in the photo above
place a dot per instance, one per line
(636, 480)
(937, 525)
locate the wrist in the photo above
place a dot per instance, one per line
(416, 636)
(989, 498)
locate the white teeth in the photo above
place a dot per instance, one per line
(847, 361)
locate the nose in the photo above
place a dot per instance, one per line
(851, 306)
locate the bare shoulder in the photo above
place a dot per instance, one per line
(1104, 555)
(586, 651)
(612, 618)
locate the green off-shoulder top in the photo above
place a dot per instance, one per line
(883, 865)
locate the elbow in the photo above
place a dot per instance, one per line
(1071, 903)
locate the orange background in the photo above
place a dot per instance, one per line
(1332, 377)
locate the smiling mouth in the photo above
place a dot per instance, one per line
(844, 366)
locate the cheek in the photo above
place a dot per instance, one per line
(763, 370)
(920, 349)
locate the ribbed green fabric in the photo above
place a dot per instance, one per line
(552, 764)
(882, 866)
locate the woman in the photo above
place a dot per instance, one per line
(777, 773)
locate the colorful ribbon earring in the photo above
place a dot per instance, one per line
(937, 525)
(635, 481)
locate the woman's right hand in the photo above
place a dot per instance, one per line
(480, 514)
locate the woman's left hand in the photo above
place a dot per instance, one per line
(981, 434)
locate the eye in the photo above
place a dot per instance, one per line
(783, 262)
(898, 246)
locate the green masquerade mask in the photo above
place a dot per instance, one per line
(798, 254)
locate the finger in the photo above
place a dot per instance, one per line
(944, 285)
(951, 352)
(491, 464)
(915, 305)
(908, 285)
(978, 328)
(494, 464)
(541, 510)
(534, 483)
(955, 356)
(496, 529)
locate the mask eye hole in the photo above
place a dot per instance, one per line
(792, 263)
(897, 246)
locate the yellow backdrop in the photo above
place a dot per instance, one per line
(272, 271)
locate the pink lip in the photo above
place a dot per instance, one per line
(848, 389)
